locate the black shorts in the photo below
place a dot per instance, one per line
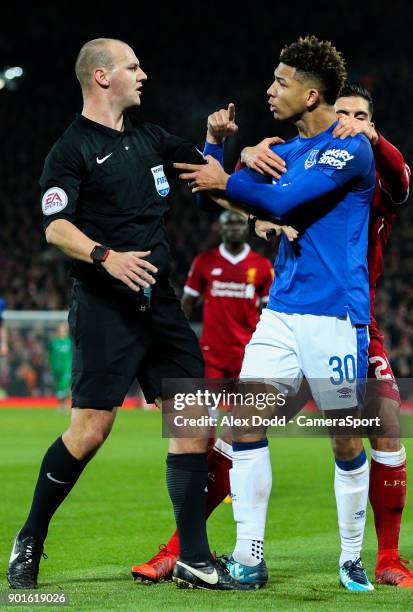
(114, 343)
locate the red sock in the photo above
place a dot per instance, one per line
(387, 498)
(219, 466)
(218, 488)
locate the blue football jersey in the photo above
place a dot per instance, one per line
(325, 194)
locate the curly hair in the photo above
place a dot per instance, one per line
(318, 60)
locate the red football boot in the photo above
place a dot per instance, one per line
(393, 570)
(160, 567)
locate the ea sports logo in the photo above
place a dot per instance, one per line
(54, 200)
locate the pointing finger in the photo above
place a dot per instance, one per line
(231, 111)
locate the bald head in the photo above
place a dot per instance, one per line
(97, 53)
(233, 229)
(229, 215)
(110, 76)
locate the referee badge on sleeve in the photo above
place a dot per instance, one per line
(161, 182)
(54, 200)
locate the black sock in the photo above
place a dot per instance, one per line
(187, 479)
(58, 474)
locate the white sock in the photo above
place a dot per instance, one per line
(251, 481)
(392, 459)
(351, 486)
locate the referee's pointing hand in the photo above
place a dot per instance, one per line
(131, 268)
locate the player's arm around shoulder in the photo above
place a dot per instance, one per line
(393, 172)
(358, 138)
(346, 159)
(264, 158)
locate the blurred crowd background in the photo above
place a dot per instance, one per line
(197, 61)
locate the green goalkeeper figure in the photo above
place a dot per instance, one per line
(60, 361)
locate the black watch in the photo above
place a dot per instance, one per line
(99, 254)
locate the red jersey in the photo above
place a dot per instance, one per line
(392, 189)
(232, 287)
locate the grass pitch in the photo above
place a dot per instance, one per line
(119, 512)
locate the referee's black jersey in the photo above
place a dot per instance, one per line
(112, 185)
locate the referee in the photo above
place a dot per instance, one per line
(104, 200)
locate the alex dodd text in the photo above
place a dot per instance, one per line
(258, 421)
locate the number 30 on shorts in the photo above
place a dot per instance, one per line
(345, 369)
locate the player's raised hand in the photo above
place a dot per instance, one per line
(261, 159)
(131, 268)
(221, 124)
(267, 229)
(350, 126)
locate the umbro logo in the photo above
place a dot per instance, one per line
(344, 392)
(103, 159)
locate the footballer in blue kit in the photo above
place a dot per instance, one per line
(316, 321)
(325, 194)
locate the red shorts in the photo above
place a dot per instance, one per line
(380, 369)
(222, 365)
